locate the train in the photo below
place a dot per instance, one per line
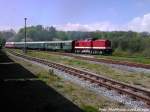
(99, 46)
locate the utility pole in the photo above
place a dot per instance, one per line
(25, 36)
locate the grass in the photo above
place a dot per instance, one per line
(139, 79)
(137, 59)
(88, 108)
(85, 99)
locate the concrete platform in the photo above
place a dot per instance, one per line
(20, 94)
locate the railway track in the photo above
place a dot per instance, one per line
(109, 61)
(122, 88)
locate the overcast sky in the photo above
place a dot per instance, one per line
(84, 15)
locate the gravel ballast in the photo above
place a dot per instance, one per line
(113, 95)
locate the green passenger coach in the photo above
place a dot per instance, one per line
(46, 45)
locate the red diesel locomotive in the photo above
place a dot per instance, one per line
(100, 46)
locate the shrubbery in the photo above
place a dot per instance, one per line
(123, 42)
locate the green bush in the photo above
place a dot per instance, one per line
(146, 52)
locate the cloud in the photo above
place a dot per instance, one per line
(5, 28)
(72, 27)
(103, 26)
(139, 24)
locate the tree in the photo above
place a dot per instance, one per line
(37, 33)
(122, 41)
(62, 35)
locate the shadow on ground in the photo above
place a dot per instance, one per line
(28, 95)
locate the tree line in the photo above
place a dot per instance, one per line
(5, 35)
(123, 42)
